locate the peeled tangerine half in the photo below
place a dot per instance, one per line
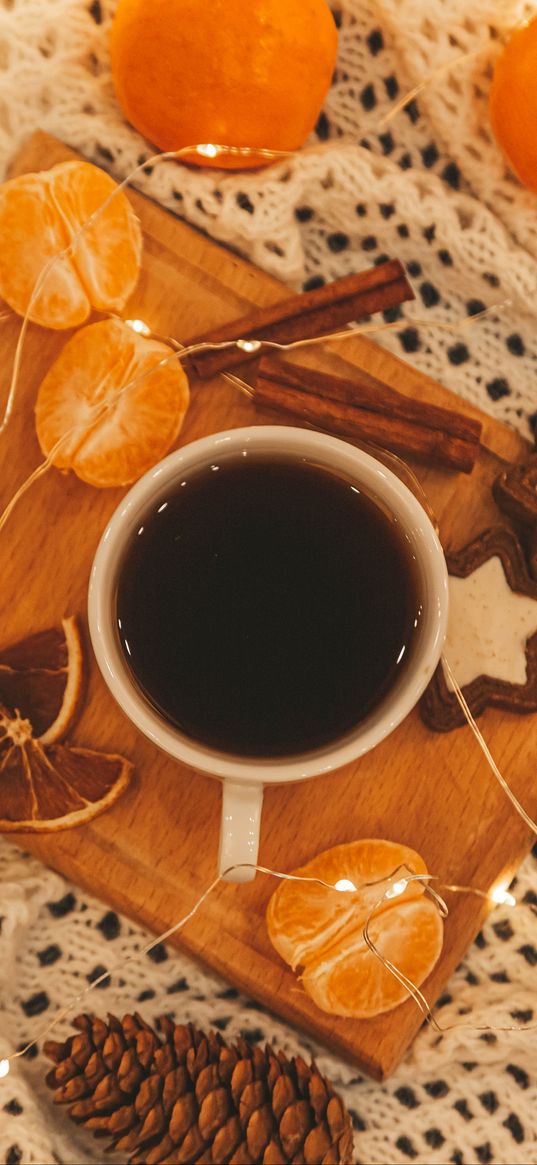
(321, 929)
(45, 785)
(111, 405)
(69, 242)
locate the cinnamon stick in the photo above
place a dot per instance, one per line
(365, 391)
(368, 409)
(307, 314)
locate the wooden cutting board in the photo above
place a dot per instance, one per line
(154, 852)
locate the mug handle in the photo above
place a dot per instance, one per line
(239, 829)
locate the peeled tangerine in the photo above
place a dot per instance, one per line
(44, 214)
(321, 929)
(111, 405)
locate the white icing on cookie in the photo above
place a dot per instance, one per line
(488, 626)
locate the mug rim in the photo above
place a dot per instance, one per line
(340, 456)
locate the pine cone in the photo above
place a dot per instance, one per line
(180, 1096)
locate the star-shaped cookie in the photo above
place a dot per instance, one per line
(491, 643)
(515, 492)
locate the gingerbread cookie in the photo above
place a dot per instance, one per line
(531, 552)
(491, 643)
(515, 492)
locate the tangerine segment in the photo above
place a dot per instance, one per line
(43, 214)
(354, 982)
(107, 408)
(32, 235)
(303, 918)
(107, 253)
(42, 677)
(513, 102)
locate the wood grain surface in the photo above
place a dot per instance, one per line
(154, 852)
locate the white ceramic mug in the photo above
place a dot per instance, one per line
(244, 778)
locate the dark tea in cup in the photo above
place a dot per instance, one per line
(266, 604)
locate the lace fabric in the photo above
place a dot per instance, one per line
(467, 1095)
(430, 187)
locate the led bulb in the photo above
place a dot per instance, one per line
(249, 345)
(208, 150)
(4, 1068)
(502, 896)
(139, 326)
(396, 889)
(344, 884)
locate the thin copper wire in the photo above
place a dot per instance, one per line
(401, 467)
(170, 155)
(441, 70)
(442, 907)
(193, 151)
(484, 746)
(180, 352)
(413, 990)
(68, 250)
(137, 955)
(92, 417)
(95, 415)
(426, 81)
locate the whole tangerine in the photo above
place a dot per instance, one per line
(513, 103)
(228, 72)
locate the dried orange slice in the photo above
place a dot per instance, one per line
(43, 214)
(45, 789)
(43, 786)
(111, 430)
(321, 930)
(41, 676)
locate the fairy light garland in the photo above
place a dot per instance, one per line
(207, 150)
(397, 884)
(398, 881)
(425, 82)
(180, 352)
(442, 70)
(485, 748)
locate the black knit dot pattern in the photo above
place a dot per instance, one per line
(460, 1112)
(407, 142)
